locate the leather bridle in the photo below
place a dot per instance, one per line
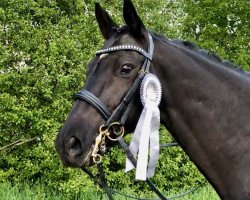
(122, 111)
(119, 116)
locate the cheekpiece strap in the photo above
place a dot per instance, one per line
(150, 45)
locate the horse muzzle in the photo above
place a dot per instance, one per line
(73, 153)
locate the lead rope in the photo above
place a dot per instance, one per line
(103, 181)
(103, 184)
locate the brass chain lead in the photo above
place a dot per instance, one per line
(116, 128)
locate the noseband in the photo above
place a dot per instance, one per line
(122, 111)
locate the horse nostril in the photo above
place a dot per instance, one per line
(73, 146)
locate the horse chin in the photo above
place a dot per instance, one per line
(88, 161)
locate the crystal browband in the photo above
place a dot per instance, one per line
(125, 47)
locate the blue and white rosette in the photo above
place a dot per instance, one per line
(146, 135)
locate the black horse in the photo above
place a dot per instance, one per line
(205, 103)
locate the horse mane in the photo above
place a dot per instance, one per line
(193, 47)
(210, 55)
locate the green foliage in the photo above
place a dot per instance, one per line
(220, 26)
(44, 51)
(39, 191)
(44, 48)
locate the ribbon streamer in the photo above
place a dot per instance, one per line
(147, 130)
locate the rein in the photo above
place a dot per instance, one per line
(106, 132)
(115, 120)
(109, 191)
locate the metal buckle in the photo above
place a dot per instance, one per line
(117, 129)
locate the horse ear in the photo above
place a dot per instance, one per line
(106, 24)
(132, 19)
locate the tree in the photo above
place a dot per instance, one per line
(220, 26)
(44, 51)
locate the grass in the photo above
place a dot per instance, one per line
(36, 192)
(39, 192)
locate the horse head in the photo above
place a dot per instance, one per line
(110, 75)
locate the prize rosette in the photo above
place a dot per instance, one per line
(150, 90)
(145, 141)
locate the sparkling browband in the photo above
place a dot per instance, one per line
(125, 47)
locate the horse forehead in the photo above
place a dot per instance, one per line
(126, 38)
(131, 40)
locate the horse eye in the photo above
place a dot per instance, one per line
(126, 69)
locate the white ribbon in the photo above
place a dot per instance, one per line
(147, 130)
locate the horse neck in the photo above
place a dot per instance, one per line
(204, 105)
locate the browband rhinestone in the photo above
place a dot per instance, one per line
(125, 47)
